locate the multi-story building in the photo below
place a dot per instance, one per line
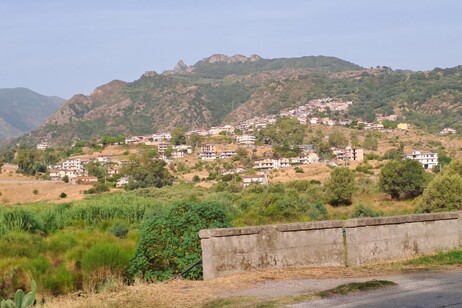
(246, 139)
(208, 152)
(162, 147)
(72, 164)
(349, 153)
(427, 160)
(161, 137)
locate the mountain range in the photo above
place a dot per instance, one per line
(22, 110)
(228, 89)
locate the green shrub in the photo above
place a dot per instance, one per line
(104, 261)
(361, 210)
(170, 242)
(97, 188)
(62, 195)
(444, 192)
(58, 281)
(317, 211)
(120, 230)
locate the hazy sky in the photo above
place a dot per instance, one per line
(65, 47)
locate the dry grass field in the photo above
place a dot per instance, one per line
(16, 188)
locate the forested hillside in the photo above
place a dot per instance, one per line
(222, 89)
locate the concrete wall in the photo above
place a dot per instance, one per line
(388, 238)
(323, 243)
(226, 251)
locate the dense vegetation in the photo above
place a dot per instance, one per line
(220, 70)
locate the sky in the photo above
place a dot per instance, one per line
(67, 47)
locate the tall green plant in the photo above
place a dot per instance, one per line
(21, 300)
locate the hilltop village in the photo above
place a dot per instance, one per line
(232, 142)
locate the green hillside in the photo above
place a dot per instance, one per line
(222, 89)
(22, 110)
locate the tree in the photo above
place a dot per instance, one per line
(145, 172)
(195, 140)
(444, 192)
(338, 139)
(371, 142)
(340, 186)
(29, 161)
(400, 177)
(178, 136)
(354, 140)
(286, 131)
(95, 169)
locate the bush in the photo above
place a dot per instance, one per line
(317, 211)
(120, 230)
(104, 261)
(35, 191)
(169, 241)
(364, 168)
(361, 210)
(97, 188)
(58, 281)
(62, 195)
(444, 192)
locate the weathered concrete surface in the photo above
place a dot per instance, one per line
(226, 251)
(388, 238)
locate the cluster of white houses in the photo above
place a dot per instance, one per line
(270, 164)
(75, 170)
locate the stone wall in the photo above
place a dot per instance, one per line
(388, 238)
(327, 243)
(226, 251)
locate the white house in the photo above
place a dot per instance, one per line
(247, 180)
(427, 160)
(246, 139)
(72, 164)
(161, 137)
(227, 154)
(104, 159)
(122, 181)
(447, 131)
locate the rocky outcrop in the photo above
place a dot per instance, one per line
(231, 59)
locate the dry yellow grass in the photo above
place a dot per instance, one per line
(186, 293)
(318, 172)
(16, 188)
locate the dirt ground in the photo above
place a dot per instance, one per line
(261, 284)
(16, 188)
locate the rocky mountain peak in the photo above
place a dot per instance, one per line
(231, 59)
(180, 67)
